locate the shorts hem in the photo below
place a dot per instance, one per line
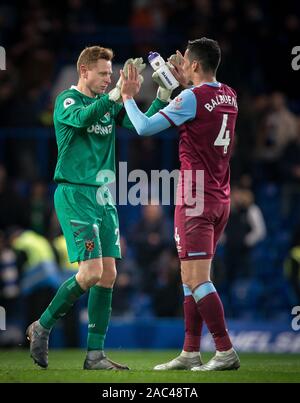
(77, 259)
(114, 256)
(206, 257)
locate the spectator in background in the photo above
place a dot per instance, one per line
(71, 322)
(167, 298)
(39, 208)
(9, 80)
(290, 174)
(292, 269)
(247, 128)
(149, 237)
(9, 294)
(245, 228)
(80, 18)
(148, 18)
(145, 154)
(127, 283)
(279, 126)
(36, 61)
(9, 275)
(39, 275)
(12, 207)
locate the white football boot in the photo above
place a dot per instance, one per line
(222, 361)
(180, 362)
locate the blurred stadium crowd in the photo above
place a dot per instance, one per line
(257, 267)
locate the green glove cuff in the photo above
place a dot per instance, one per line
(115, 94)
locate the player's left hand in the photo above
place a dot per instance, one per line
(115, 93)
(139, 64)
(130, 85)
(164, 93)
(176, 61)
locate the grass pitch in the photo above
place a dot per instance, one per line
(66, 366)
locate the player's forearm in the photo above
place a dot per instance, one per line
(137, 118)
(155, 106)
(145, 126)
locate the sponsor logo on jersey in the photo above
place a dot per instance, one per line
(102, 130)
(68, 102)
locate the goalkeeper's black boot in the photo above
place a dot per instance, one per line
(38, 337)
(97, 360)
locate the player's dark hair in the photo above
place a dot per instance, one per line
(92, 54)
(205, 51)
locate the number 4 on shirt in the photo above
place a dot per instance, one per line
(223, 139)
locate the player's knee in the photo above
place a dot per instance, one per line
(194, 273)
(113, 275)
(87, 281)
(92, 279)
(193, 282)
(186, 278)
(189, 283)
(90, 273)
(108, 277)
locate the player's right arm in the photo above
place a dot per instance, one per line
(70, 110)
(181, 109)
(123, 120)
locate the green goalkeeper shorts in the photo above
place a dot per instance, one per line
(89, 220)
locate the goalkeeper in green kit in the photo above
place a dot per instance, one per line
(85, 119)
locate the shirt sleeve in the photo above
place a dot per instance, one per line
(71, 111)
(156, 106)
(180, 110)
(143, 125)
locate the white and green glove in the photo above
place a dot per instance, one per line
(164, 93)
(115, 93)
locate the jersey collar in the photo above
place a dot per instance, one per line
(74, 87)
(210, 84)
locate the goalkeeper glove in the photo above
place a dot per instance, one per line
(164, 93)
(115, 93)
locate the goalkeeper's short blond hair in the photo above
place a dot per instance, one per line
(92, 54)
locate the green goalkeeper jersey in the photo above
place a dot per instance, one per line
(85, 134)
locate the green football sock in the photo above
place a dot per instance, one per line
(63, 300)
(99, 310)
